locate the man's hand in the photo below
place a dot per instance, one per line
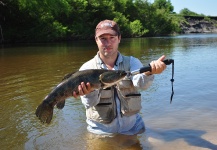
(83, 89)
(157, 66)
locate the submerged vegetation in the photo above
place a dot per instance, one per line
(63, 20)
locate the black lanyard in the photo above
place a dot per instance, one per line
(172, 80)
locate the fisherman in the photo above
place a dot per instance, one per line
(115, 110)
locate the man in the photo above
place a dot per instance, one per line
(115, 110)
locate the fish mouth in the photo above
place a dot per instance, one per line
(123, 74)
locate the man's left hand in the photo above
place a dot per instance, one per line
(157, 66)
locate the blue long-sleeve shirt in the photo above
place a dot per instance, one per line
(128, 125)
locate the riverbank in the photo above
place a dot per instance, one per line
(199, 25)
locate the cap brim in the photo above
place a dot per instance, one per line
(108, 31)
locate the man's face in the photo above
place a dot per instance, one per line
(108, 44)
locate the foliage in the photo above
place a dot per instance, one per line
(187, 12)
(137, 28)
(164, 4)
(59, 20)
(207, 19)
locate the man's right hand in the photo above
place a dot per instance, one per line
(83, 89)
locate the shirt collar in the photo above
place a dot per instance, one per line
(117, 62)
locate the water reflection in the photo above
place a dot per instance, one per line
(147, 49)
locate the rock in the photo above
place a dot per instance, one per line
(194, 25)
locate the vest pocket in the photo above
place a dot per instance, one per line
(131, 104)
(103, 113)
(106, 93)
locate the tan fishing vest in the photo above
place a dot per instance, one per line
(130, 99)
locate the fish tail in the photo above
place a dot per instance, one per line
(44, 112)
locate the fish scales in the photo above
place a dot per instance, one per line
(98, 78)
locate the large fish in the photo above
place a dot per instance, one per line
(98, 78)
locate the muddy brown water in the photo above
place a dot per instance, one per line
(29, 72)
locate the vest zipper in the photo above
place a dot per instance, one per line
(114, 89)
(116, 94)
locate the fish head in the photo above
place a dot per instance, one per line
(112, 77)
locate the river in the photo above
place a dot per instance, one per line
(29, 72)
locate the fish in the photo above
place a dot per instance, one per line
(98, 79)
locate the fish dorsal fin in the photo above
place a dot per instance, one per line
(67, 76)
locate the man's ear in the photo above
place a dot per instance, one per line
(119, 38)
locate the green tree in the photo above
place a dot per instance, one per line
(164, 4)
(58, 20)
(159, 18)
(137, 29)
(187, 12)
(47, 15)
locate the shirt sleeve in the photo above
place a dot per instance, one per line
(91, 99)
(141, 81)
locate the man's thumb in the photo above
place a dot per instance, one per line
(162, 58)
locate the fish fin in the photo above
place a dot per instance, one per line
(61, 104)
(44, 112)
(68, 76)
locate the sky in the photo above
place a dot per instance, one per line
(206, 7)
